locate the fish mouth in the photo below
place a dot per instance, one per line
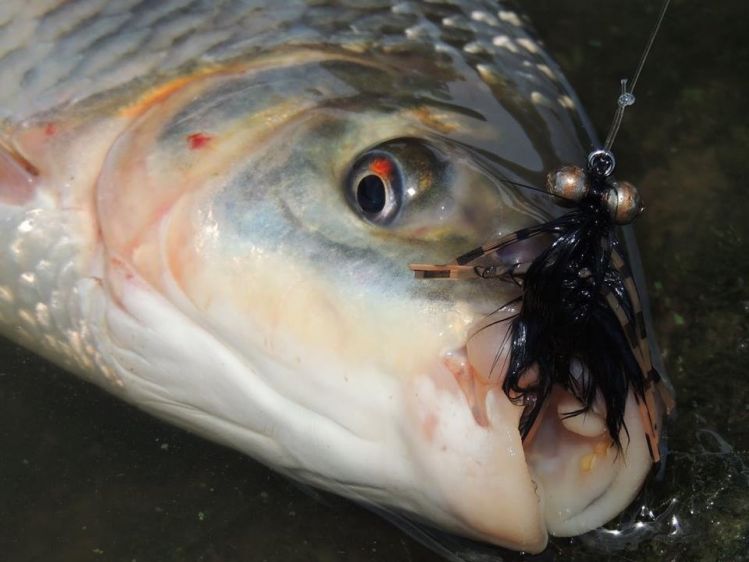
(565, 478)
(584, 478)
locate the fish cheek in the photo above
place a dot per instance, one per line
(158, 172)
(141, 182)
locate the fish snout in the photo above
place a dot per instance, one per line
(565, 478)
(463, 431)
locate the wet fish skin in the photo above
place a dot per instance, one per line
(176, 230)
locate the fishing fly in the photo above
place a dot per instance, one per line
(578, 302)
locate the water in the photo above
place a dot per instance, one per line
(85, 477)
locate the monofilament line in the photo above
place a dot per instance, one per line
(627, 97)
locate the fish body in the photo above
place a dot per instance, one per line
(209, 208)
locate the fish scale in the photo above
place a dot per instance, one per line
(66, 51)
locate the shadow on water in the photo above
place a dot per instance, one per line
(84, 477)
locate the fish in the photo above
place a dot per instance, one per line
(208, 209)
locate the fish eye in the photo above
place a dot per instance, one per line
(386, 179)
(374, 187)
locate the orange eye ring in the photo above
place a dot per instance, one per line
(382, 167)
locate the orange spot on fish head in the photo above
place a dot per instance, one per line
(50, 129)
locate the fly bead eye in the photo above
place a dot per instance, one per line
(623, 202)
(375, 187)
(569, 183)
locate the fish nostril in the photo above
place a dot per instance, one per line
(371, 194)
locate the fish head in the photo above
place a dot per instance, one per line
(279, 207)
(251, 224)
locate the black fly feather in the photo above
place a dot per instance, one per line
(578, 303)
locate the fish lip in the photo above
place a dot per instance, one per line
(617, 479)
(568, 523)
(476, 466)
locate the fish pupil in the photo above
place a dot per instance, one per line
(371, 194)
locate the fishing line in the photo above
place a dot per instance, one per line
(627, 97)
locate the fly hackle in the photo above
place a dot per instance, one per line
(579, 304)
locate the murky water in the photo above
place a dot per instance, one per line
(85, 477)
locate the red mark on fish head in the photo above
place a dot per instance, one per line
(382, 167)
(196, 141)
(50, 129)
